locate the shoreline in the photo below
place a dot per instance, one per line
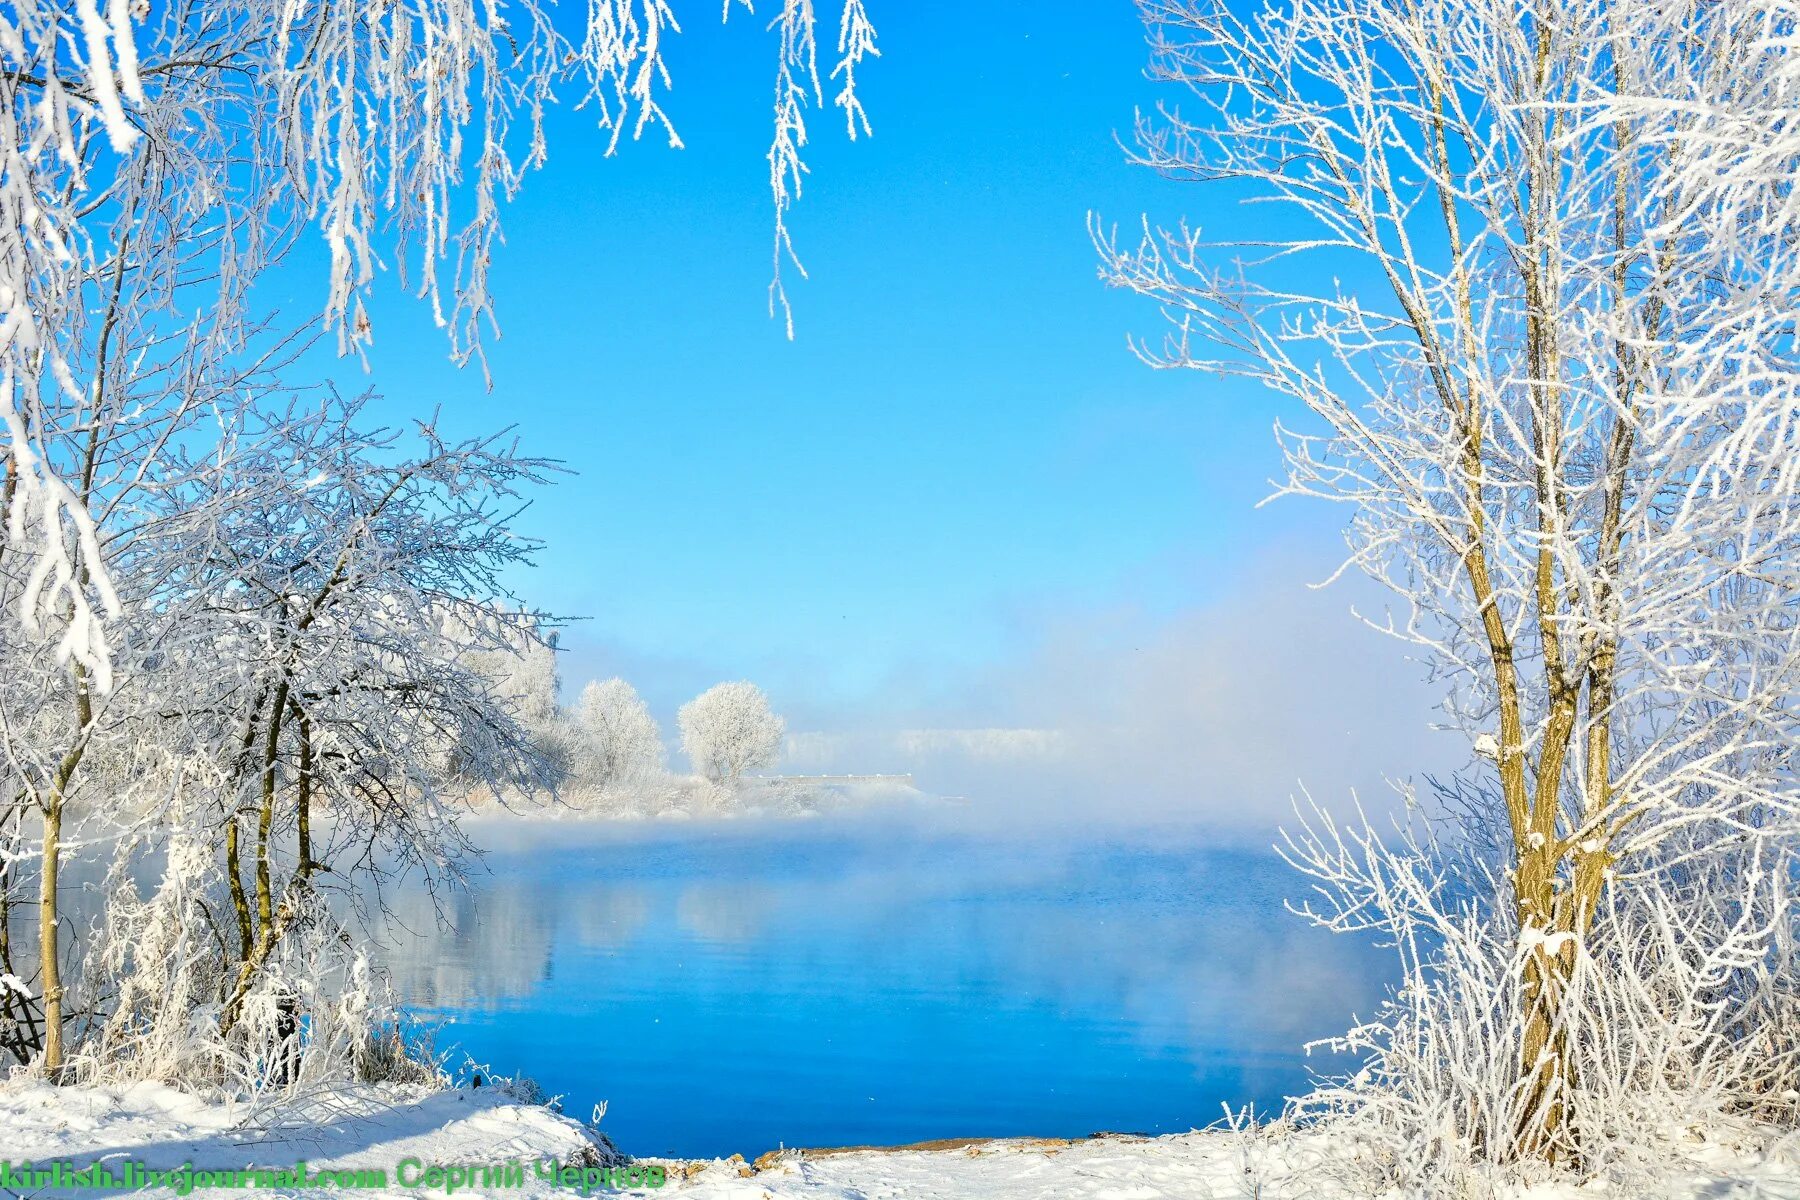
(787, 1156)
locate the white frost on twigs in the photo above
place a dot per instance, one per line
(138, 144)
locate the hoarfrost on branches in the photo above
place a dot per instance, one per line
(395, 132)
(729, 729)
(1534, 273)
(619, 738)
(294, 715)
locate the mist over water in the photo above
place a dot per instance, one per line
(734, 987)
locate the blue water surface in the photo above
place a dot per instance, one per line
(736, 987)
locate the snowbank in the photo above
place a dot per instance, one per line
(381, 1127)
(344, 1128)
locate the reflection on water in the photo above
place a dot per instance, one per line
(732, 989)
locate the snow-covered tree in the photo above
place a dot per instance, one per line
(393, 133)
(1536, 282)
(729, 729)
(291, 712)
(516, 652)
(341, 590)
(619, 738)
(78, 729)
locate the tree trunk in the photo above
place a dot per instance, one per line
(50, 968)
(1547, 1068)
(49, 941)
(235, 879)
(1559, 920)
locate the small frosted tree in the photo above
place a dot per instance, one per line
(517, 654)
(619, 739)
(312, 723)
(728, 729)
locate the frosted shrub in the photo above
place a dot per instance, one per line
(1682, 1009)
(316, 1012)
(161, 956)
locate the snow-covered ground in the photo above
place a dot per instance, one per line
(384, 1127)
(341, 1128)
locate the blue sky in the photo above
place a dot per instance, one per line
(956, 458)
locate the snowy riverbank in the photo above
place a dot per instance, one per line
(688, 797)
(405, 1132)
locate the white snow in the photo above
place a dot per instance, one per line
(378, 1126)
(1194, 1166)
(336, 1129)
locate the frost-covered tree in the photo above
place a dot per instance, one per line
(76, 728)
(729, 729)
(1534, 274)
(155, 161)
(516, 652)
(619, 738)
(347, 596)
(393, 133)
(291, 713)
